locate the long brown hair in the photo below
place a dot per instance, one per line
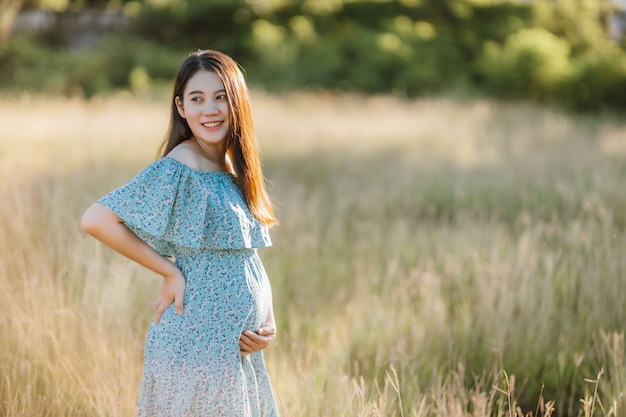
(241, 145)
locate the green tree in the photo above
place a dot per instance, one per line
(580, 22)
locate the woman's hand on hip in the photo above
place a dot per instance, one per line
(250, 342)
(172, 291)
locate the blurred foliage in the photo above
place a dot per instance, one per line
(75, 5)
(532, 62)
(30, 65)
(545, 50)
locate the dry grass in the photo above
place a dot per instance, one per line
(435, 257)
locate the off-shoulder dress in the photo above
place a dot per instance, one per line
(192, 364)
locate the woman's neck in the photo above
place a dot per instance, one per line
(215, 155)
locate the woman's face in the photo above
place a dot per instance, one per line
(205, 107)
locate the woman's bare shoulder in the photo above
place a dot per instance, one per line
(185, 153)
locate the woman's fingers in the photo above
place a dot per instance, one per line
(244, 348)
(159, 311)
(247, 345)
(252, 342)
(174, 287)
(267, 330)
(178, 299)
(172, 291)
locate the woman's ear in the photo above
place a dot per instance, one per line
(179, 107)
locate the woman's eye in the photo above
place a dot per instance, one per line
(221, 97)
(196, 99)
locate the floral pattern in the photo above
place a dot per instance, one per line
(192, 364)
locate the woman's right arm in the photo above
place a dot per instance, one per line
(107, 227)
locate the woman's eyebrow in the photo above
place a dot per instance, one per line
(202, 92)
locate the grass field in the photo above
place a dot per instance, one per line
(434, 258)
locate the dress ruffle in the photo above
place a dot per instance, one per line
(169, 204)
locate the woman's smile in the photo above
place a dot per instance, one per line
(211, 125)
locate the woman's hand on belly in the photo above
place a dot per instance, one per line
(250, 342)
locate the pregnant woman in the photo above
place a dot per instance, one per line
(196, 216)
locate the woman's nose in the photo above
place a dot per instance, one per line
(210, 108)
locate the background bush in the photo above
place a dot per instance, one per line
(549, 50)
(531, 62)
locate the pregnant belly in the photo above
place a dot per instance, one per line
(227, 292)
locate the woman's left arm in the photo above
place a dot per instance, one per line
(250, 342)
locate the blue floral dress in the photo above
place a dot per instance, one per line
(192, 365)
